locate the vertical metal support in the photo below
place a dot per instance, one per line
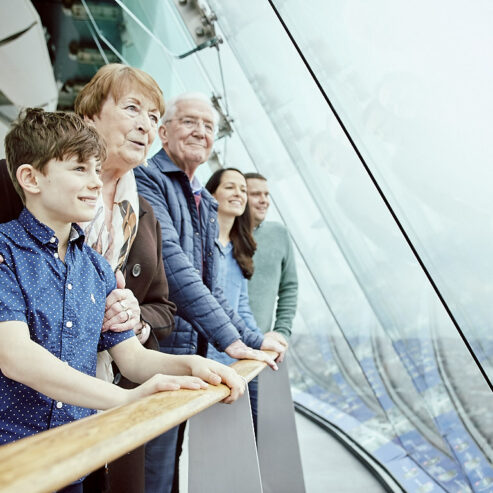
(222, 452)
(278, 449)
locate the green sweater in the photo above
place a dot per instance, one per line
(274, 279)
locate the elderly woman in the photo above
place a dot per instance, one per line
(124, 104)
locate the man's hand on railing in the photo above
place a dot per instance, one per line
(279, 338)
(273, 343)
(159, 383)
(240, 350)
(215, 373)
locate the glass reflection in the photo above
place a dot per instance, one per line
(418, 118)
(326, 198)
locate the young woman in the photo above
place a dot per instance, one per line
(235, 246)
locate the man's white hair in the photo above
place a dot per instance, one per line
(171, 106)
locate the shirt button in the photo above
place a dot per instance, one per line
(212, 220)
(197, 233)
(59, 405)
(136, 270)
(69, 286)
(55, 255)
(52, 239)
(69, 324)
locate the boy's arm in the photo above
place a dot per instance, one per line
(25, 361)
(138, 364)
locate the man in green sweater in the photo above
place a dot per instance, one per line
(274, 279)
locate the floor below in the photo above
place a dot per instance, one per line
(327, 465)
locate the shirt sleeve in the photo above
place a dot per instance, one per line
(109, 338)
(109, 276)
(12, 302)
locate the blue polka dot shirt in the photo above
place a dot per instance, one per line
(63, 306)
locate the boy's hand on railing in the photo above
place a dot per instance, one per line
(159, 383)
(276, 336)
(215, 373)
(240, 350)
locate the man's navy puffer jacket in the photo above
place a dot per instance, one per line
(188, 249)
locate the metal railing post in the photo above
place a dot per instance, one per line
(278, 449)
(222, 455)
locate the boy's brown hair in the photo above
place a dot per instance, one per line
(39, 136)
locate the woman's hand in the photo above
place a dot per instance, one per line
(122, 310)
(215, 373)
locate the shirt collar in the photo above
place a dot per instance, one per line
(223, 249)
(195, 185)
(164, 163)
(76, 233)
(44, 233)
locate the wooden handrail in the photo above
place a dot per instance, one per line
(50, 460)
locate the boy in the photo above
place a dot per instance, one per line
(53, 289)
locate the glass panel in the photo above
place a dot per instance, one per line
(365, 273)
(418, 107)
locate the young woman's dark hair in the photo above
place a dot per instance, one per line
(241, 236)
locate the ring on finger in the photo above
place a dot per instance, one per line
(123, 304)
(129, 314)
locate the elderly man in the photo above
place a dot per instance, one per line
(274, 280)
(188, 217)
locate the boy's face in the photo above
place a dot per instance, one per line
(67, 191)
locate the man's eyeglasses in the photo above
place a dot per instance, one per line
(192, 123)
